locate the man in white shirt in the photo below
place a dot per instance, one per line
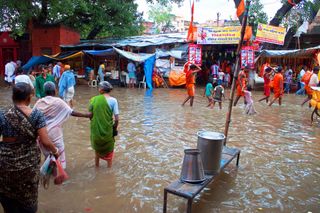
(22, 77)
(313, 82)
(9, 72)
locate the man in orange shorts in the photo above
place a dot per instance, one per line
(241, 85)
(277, 86)
(190, 82)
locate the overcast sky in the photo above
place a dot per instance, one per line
(208, 9)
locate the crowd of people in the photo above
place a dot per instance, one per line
(27, 132)
(275, 79)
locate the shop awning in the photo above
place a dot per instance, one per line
(178, 52)
(35, 60)
(65, 55)
(300, 53)
(100, 52)
(138, 57)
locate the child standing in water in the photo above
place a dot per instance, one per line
(218, 92)
(249, 108)
(209, 91)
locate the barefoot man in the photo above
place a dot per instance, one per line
(190, 81)
(266, 85)
(241, 85)
(277, 86)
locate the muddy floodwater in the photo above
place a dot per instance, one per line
(279, 167)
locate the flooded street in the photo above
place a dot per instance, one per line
(279, 163)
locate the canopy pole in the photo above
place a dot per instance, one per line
(235, 76)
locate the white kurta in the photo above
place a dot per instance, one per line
(9, 72)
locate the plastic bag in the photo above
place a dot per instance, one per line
(45, 166)
(51, 170)
(61, 174)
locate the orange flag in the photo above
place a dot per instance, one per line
(190, 30)
(240, 7)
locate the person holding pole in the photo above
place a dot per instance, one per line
(191, 70)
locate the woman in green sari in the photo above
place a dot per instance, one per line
(104, 123)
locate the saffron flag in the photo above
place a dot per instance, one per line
(190, 30)
(240, 7)
(291, 2)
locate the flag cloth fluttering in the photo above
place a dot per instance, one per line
(240, 8)
(190, 30)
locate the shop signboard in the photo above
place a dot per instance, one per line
(218, 35)
(270, 34)
(195, 54)
(247, 57)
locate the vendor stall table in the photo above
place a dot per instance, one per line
(188, 190)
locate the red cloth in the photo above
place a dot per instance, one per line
(191, 89)
(108, 156)
(266, 86)
(243, 79)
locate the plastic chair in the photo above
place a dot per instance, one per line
(143, 82)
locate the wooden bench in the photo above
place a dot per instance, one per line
(188, 190)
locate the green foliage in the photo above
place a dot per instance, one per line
(90, 17)
(162, 17)
(304, 11)
(256, 15)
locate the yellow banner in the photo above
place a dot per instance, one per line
(218, 35)
(270, 34)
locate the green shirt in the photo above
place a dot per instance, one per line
(209, 89)
(40, 80)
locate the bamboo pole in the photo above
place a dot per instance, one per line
(235, 76)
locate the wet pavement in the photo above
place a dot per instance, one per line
(279, 164)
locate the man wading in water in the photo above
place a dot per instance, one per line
(190, 82)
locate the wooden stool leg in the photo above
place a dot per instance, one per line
(189, 208)
(238, 157)
(165, 197)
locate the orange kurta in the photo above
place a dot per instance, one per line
(278, 85)
(190, 81)
(241, 83)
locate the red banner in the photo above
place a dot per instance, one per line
(195, 54)
(247, 57)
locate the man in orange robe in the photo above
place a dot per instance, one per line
(277, 86)
(241, 85)
(190, 81)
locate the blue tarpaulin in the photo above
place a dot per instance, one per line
(148, 69)
(148, 59)
(100, 52)
(35, 60)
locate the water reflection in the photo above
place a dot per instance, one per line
(279, 164)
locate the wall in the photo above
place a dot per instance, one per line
(45, 37)
(68, 36)
(8, 50)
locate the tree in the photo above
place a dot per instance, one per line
(90, 17)
(256, 15)
(162, 17)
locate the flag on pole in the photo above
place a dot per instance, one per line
(190, 30)
(292, 2)
(240, 8)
